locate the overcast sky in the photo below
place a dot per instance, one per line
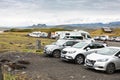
(28, 12)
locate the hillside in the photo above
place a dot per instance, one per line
(97, 32)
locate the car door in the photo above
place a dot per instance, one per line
(70, 43)
(117, 60)
(93, 47)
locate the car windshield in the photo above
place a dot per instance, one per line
(107, 51)
(80, 45)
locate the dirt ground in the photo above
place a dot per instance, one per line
(48, 68)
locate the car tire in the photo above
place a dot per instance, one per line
(110, 68)
(56, 53)
(79, 59)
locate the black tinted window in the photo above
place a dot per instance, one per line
(92, 46)
(99, 46)
(70, 43)
(88, 36)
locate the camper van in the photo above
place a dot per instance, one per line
(74, 35)
(35, 34)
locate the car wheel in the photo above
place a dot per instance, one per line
(79, 59)
(56, 53)
(110, 68)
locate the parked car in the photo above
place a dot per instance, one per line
(106, 59)
(117, 39)
(105, 37)
(96, 38)
(35, 34)
(79, 51)
(55, 48)
(112, 39)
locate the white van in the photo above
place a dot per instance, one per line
(35, 34)
(73, 34)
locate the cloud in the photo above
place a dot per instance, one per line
(28, 12)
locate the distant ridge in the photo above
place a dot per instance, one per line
(115, 24)
(97, 25)
(38, 26)
(85, 25)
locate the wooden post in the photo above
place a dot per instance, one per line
(38, 44)
(49, 35)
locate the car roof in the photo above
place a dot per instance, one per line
(98, 43)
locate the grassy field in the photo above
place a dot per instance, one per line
(20, 42)
(97, 32)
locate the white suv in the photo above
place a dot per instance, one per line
(79, 51)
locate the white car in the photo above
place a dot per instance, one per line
(79, 51)
(106, 59)
(35, 34)
(117, 39)
(103, 38)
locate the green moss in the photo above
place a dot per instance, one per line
(8, 76)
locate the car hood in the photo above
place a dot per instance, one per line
(71, 49)
(95, 56)
(51, 46)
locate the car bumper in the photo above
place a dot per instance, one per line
(97, 66)
(47, 52)
(66, 58)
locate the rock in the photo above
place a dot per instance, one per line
(14, 66)
(83, 77)
(23, 72)
(4, 60)
(23, 62)
(71, 77)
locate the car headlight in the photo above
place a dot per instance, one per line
(71, 52)
(102, 60)
(48, 49)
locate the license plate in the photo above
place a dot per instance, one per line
(88, 64)
(62, 55)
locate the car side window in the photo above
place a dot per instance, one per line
(118, 53)
(70, 43)
(88, 36)
(99, 46)
(91, 46)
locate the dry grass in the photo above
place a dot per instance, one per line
(19, 41)
(8, 76)
(116, 32)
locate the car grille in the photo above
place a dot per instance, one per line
(64, 52)
(90, 61)
(45, 48)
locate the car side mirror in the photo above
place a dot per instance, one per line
(87, 48)
(119, 55)
(64, 45)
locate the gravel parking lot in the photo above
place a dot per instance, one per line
(45, 68)
(48, 68)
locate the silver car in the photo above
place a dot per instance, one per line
(54, 49)
(106, 59)
(79, 51)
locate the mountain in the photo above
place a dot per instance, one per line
(79, 26)
(38, 26)
(115, 23)
(97, 25)
(4, 28)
